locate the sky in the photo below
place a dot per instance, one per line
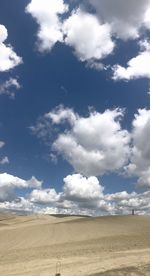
(75, 106)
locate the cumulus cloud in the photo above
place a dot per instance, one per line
(80, 140)
(119, 196)
(126, 18)
(9, 87)
(8, 184)
(137, 67)
(80, 30)
(79, 188)
(89, 38)
(80, 195)
(44, 196)
(144, 179)
(19, 204)
(97, 144)
(48, 16)
(14, 181)
(108, 204)
(93, 145)
(8, 58)
(123, 202)
(93, 35)
(140, 154)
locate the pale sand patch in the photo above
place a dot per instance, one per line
(32, 245)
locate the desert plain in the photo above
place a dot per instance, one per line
(35, 244)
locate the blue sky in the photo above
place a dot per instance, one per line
(74, 106)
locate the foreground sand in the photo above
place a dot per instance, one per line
(32, 245)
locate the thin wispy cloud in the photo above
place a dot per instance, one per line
(9, 87)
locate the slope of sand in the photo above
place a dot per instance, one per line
(32, 245)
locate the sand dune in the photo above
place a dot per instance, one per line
(33, 244)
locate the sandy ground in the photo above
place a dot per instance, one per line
(32, 245)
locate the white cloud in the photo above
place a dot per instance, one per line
(140, 156)
(8, 184)
(78, 192)
(97, 65)
(147, 18)
(79, 188)
(4, 160)
(137, 67)
(144, 179)
(126, 18)
(33, 183)
(89, 38)
(80, 195)
(7, 194)
(44, 196)
(76, 189)
(123, 203)
(139, 202)
(19, 204)
(81, 30)
(9, 87)
(62, 114)
(47, 14)
(53, 158)
(93, 35)
(14, 181)
(119, 196)
(95, 144)
(2, 144)
(8, 58)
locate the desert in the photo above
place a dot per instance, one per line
(36, 244)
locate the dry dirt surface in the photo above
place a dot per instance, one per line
(32, 245)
